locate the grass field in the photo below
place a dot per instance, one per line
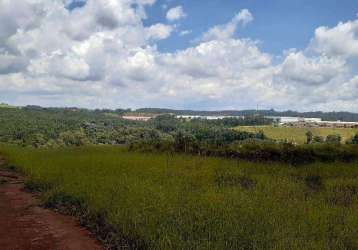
(3, 105)
(186, 202)
(298, 134)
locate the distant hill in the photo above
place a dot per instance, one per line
(5, 105)
(327, 116)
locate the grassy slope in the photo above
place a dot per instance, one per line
(298, 134)
(197, 203)
(2, 105)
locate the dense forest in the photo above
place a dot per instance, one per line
(48, 127)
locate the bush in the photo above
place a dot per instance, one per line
(354, 140)
(76, 138)
(334, 139)
(317, 139)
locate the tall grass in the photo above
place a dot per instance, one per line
(184, 202)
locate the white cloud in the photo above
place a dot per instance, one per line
(176, 13)
(226, 31)
(218, 69)
(244, 17)
(185, 32)
(159, 31)
(310, 70)
(102, 55)
(341, 40)
(11, 63)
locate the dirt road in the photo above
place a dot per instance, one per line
(26, 226)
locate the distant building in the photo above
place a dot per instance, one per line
(206, 117)
(287, 121)
(321, 124)
(290, 119)
(137, 118)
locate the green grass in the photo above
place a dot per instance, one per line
(187, 202)
(298, 134)
(3, 105)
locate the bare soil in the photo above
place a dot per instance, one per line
(25, 225)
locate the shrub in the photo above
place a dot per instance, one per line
(354, 140)
(317, 139)
(334, 139)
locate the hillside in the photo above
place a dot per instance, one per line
(327, 116)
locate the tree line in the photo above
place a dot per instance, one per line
(56, 127)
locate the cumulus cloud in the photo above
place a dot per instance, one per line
(176, 13)
(102, 55)
(11, 63)
(310, 70)
(227, 30)
(341, 40)
(159, 31)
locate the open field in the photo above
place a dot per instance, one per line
(298, 134)
(186, 202)
(2, 105)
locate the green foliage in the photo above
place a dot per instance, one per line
(73, 138)
(38, 127)
(165, 123)
(53, 127)
(354, 139)
(334, 139)
(325, 116)
(152, 201)
(317, 139)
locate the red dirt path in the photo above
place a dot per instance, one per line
(24, 225)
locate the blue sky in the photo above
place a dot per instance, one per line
(279, 24)
(209, 55)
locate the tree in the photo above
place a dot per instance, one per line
(185, 142)
(354, 139)
(334, 139)
(76, 138)
(165, 123)
(309, 137)
(36, 140)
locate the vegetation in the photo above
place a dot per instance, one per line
(53, 127)
(354, 139)
(299, 135)
(4, 105)
(185, 184)
(326, 116)
(38, 127)
(160, 201)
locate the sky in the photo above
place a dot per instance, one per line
(203, 55)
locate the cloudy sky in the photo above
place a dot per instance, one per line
(212, 54)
